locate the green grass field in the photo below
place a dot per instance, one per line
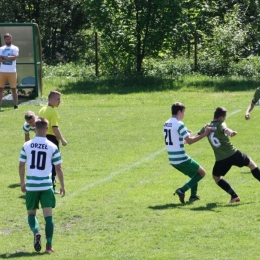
(119, 202)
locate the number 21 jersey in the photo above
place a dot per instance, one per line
(174, 133)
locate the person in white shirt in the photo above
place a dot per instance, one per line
(39, 154)
(8, 55)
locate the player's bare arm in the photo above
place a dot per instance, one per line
(59, 173)
(230, 132)
(22, 176)
(249, 109)
(194, 139)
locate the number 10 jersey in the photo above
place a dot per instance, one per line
(39, 154)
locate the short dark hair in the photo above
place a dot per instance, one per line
(53, 93)
(7, 35)
(177, 106)
(41, 123)
(220, 111)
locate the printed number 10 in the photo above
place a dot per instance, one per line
(40, 161)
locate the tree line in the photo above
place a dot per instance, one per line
(131, 32)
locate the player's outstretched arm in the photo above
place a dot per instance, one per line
(230, 132)
(196, 138)
(249, 109)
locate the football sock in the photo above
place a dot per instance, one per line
(194, 180)
(33, 223)
(193, 190)
(224, 185)
(49, 227)
(256, 173)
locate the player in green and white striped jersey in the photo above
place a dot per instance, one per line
(40, 154)
(175, 135)
(226, 155)
(29, 125)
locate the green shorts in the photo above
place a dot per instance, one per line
(189, 167)
(45, 197)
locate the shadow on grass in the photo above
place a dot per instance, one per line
(166, 206)
(135, 84)
(207, 207)
(15, 185)
(22, 196)
(21, 254)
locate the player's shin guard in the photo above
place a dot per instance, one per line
(256, 173)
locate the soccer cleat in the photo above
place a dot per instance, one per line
(49, 249)
(194, 198)
(181, 195)
(236, 199)
(37, 242)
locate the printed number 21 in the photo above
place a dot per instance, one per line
(38, 160)
(167, 137)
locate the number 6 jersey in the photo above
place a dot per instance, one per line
(39, 154)
(219, 141)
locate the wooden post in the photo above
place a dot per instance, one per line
(96, 52)
(195, 51)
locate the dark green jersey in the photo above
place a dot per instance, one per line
(219, 142)
(256, 96)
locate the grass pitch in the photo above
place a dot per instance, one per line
(119, 202)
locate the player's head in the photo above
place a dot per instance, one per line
(8, 39)
(30, 118)
(41, 126)
(220, 112)
(176, 107)
(54, 98)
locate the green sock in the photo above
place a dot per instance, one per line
(193, 190)
(33, 223)
(49, 228)
(194, 180)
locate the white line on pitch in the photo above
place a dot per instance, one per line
(113, 174)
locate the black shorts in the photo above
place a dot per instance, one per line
(53, 139)
(238, 159)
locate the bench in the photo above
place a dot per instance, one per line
(26, 82)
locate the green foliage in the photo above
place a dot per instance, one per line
(68, 70)
(168, 66)
(226, 46)
(62, 24)
(249, 67)
(133, 29)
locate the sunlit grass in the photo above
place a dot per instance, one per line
(119, 202)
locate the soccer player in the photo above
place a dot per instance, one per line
(29, 124)
(226, 154)
(251, 106)
(54, 134)
(175, 134)
(39, 154)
